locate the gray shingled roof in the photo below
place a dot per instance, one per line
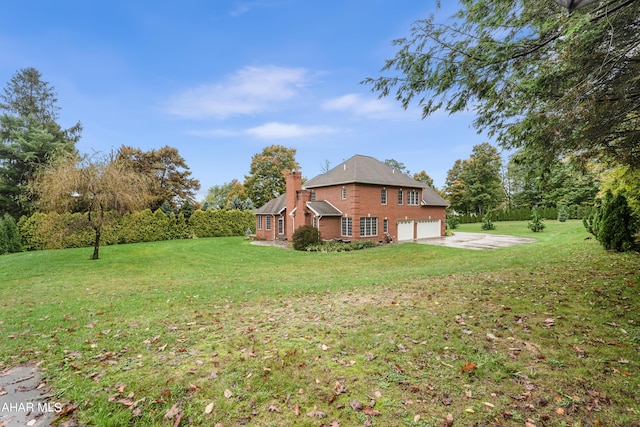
(273, 206)
(367, 170)
(324, 208)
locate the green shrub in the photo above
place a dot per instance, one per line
(178, 228)
(305, 236)
(10, 240)
(452, 221)
(536, 222)
(563, 214)
(487, 223)
(592, 221)
(618, 225)
(335, 246)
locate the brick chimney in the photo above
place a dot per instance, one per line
(293, 184)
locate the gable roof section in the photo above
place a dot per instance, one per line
(431, 198)
(273, 207)
(367, 170)
(324, 208)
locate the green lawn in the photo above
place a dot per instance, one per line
(221, 332)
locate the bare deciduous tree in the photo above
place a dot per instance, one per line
(95, 186)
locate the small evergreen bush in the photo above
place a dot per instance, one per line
(536, 222)
(10, 240)
(487, 223)
(305, 236)
(452, 222)
(563, 214)
(592, 221)
(617, 228)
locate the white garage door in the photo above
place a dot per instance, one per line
(405, 230)
(428, 228)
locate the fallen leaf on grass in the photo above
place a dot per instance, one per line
(579, 351)
(228, 393)
(125, 402)
(175, 411)
(209, 408)
(315, 413)
(368, 410)
(339, 388)
(273, 408)
(448, 422)
(470, 366)
(67, 410)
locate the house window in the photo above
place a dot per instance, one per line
(280, 225)
(347, 226)
(400, 197)
(268, 217)
(315, 221)
(368, 227)
(385, 226)
(313, 196)
(344, 193)
(413, 197)
(259, 222)
(383, 196)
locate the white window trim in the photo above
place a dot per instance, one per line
(413, 197)
(346, 223)
(370, 226)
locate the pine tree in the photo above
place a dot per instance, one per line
(618, 225)
(536, 223)
(487, 223)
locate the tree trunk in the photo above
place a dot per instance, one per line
(96, 244)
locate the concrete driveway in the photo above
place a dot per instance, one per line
(477, 241)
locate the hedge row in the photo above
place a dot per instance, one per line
(524, 214)
(59, 231)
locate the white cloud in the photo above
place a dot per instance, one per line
(276, 130)
(214, 133)
(371, 108)
(251, 90)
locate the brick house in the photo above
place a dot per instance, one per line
(360, 199)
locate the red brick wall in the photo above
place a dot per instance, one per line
(330, 227)
(365, 200)
(293, 184)
(265, 234)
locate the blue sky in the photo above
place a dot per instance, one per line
(222, 79)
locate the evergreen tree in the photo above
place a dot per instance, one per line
(536, 223)
(533, 76)
(30, 138)
(618, 225)
(487, 222)
(562, 213)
